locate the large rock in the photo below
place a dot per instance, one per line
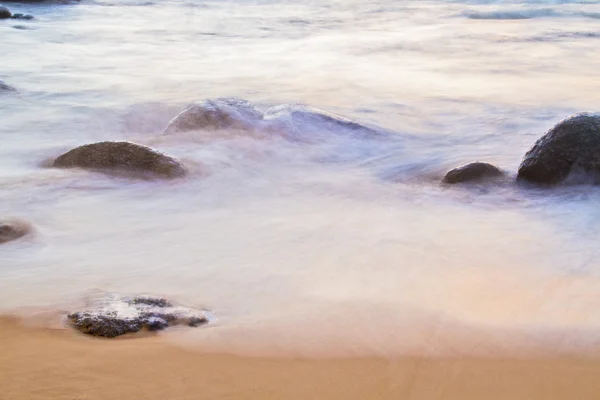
(473, 172)
(5, 13)
(121, 156)
(215, 114)
(13, 229)
(573, 145)
(289, 120)
(114, 316)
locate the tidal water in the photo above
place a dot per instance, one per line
(332, 243)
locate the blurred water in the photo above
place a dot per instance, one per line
(333, 239)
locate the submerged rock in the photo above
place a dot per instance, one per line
(22, 16)
(215, 114)
(289, 120)
(121, 156)
(475, 171)
(5, 13)
(573, 145)
(298, 118)
(114, 316)
(6, 88)
(12, 230)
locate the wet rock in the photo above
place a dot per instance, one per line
(294, 121)
(215, 114)
(22, 16)
(472, 172)
(573, 145)
(114, 316)
(5, 13)
(13, 229)
(122, 156)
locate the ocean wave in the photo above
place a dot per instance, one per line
(529, 13)
(512, 14)
(134, 3)
(552, 37)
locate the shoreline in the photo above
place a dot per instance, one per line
(47, 363)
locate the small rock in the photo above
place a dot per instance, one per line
(22, 16)
(115, 316)
(12, 230)
(571, 145)
(123, 156)
(5, 13)
(475, 171)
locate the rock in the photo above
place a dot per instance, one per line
(22, 16)
(121, 156)
(215, 114)
(572, 145)
(5, 13)
(475, 171)
(12, 230)
(298, 118)
(289, 120)
(6, 88)
(114, 316)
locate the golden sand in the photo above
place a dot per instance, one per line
(42, 363)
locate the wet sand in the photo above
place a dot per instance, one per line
(42, 363)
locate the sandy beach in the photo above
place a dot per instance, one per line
(42, 363)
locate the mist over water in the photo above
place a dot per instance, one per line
(329, 242)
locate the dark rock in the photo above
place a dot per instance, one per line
(114, 316)
(22, 16)
(475, 171)
(151, 301)
(215, 114)
(121, 156)
(5, 13)
(572, 145)
(12, 230)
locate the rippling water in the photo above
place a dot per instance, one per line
(334, 242)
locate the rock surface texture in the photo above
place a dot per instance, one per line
(5, 13)
(121, 156)
(115, 316)
(472, 172)
(13, 230)
(215, 114)
(573, 145)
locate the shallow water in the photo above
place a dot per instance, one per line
(331, 243)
